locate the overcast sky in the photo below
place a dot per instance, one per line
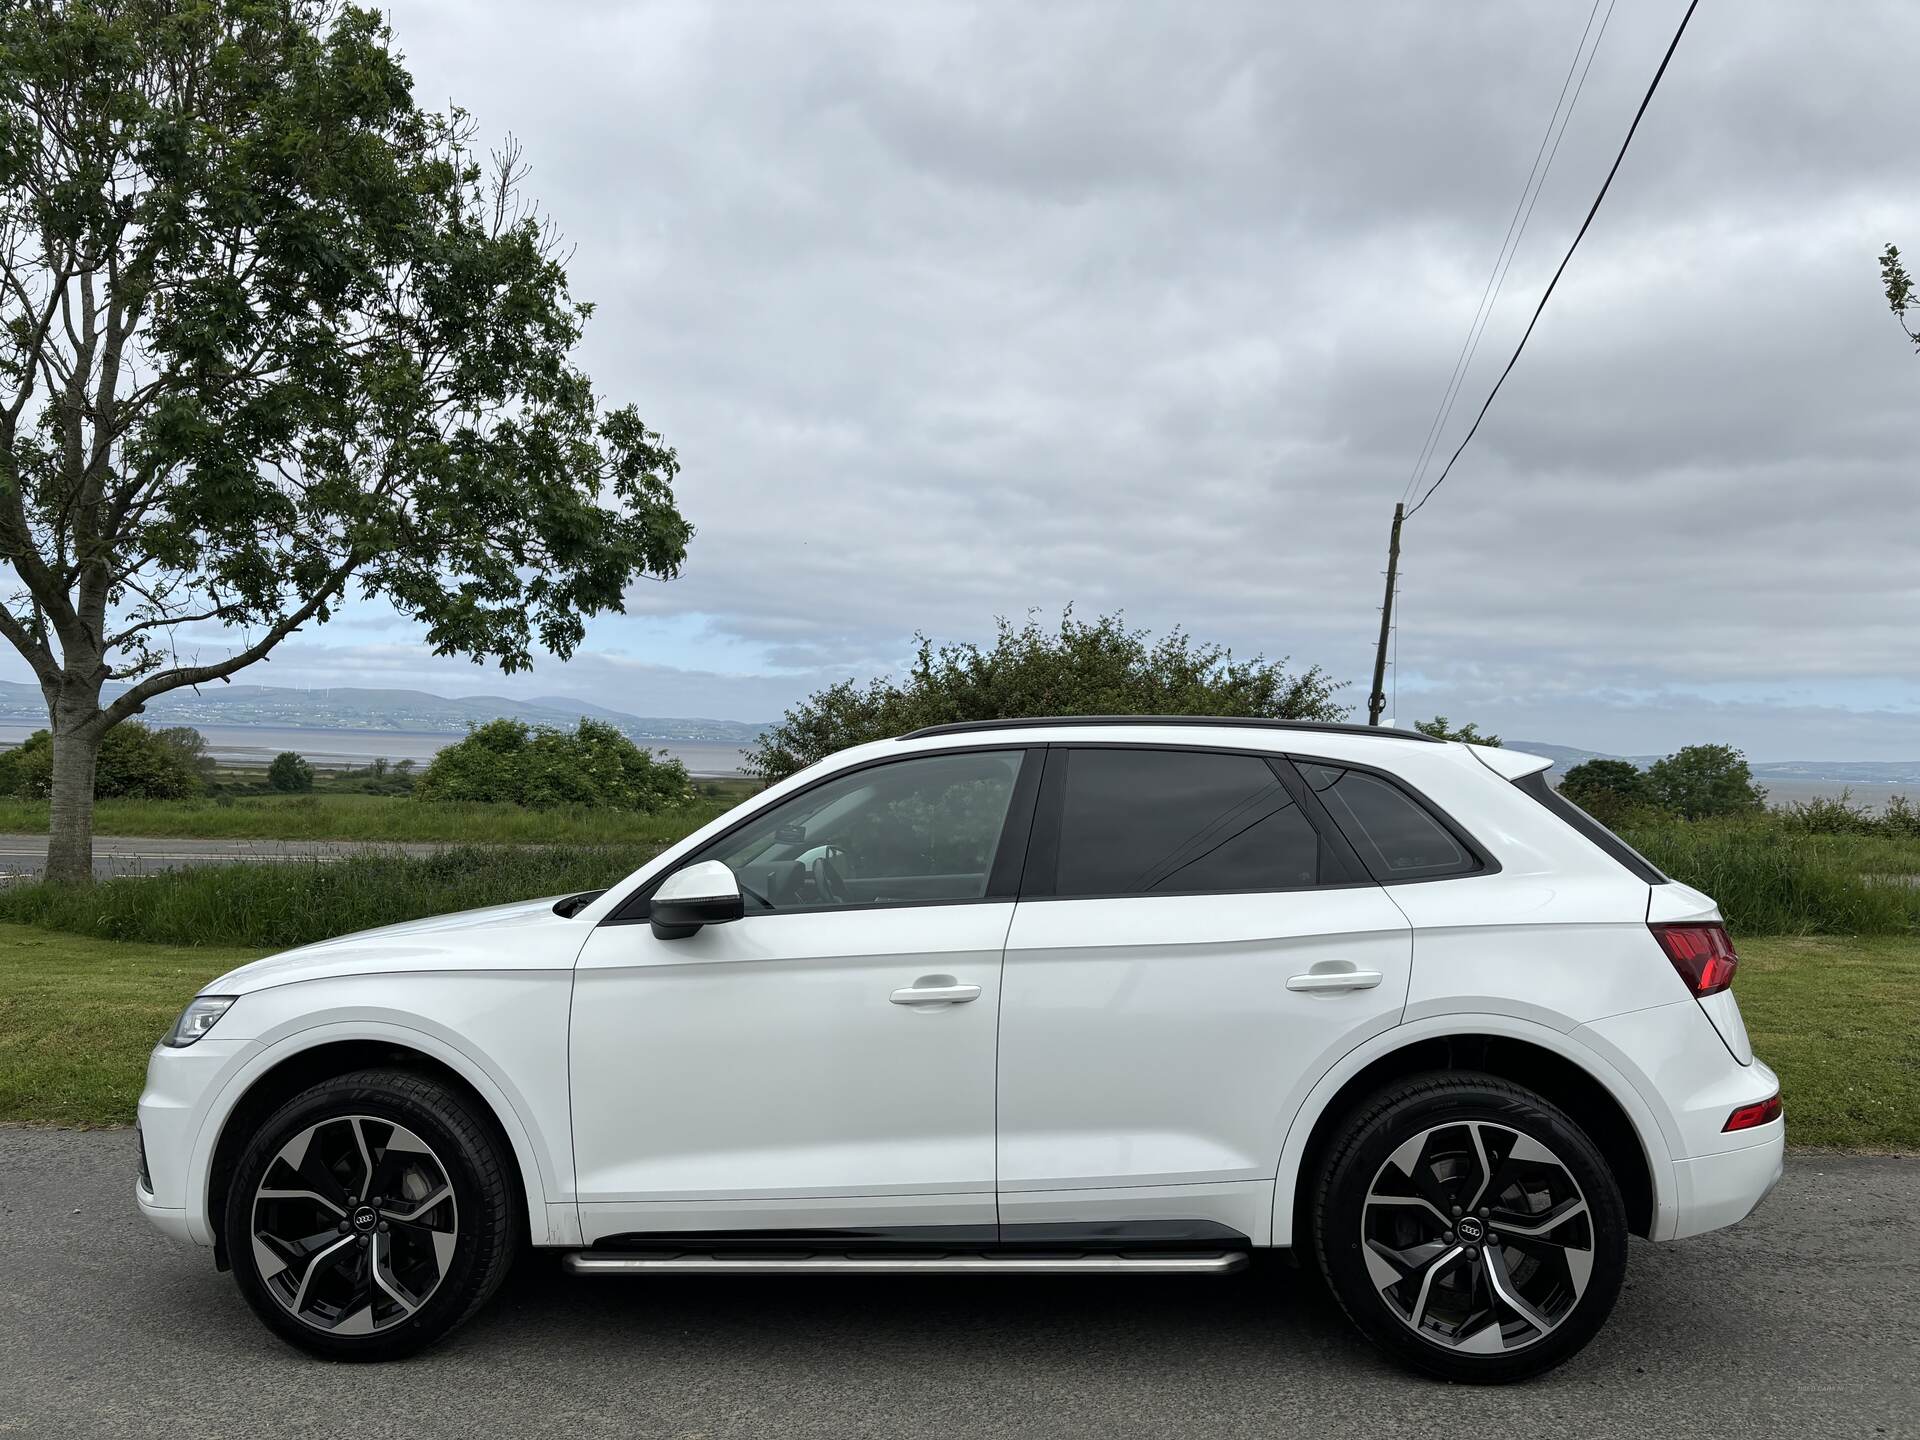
(957, 311)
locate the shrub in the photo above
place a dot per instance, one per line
(1101, 668)
(1614, 792)
(1702, 781)
(135, 763)
(290, 774)
(1830, 815)
(595, 767)
(1440, 729)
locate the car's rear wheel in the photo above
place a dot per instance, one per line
(1470, 1228)
(370, 1215)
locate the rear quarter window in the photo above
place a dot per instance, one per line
(1396, 836)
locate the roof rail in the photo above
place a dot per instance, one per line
(1334, 727)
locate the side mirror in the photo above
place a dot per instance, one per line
(703, 894)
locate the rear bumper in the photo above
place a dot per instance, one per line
(1720, 1190)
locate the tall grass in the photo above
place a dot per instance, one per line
(381, 818)
(277, 905)
(1773, 878)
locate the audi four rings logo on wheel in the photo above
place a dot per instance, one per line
(1140, 995)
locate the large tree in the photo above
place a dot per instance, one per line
(270, 332)
(1102, 668)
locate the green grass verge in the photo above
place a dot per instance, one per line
(79, 1016)
(382, 818)
(1839, 1019)
(296, 902)
(1770, 879)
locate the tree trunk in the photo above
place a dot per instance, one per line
(77, 733)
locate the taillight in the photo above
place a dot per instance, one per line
(1761, 1112)
(1702, 954)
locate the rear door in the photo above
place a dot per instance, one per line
(1189, 952)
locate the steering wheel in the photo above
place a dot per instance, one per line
(828, 887)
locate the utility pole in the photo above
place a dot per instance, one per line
(1377, 701)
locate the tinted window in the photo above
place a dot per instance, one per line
(1179, 822)
(924, 829)
(1397, 837)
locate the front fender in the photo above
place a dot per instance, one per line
(505, 1035)
(1648, 1124)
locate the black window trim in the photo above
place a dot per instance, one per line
(1043, 850)
(1002, 881)
(1581, 823)
(1486, 863)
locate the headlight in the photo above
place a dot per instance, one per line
(202, 1012)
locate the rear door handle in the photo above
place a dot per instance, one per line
(944, 993)
(1335, 980)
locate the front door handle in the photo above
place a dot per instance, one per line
(1335, 980)
(935, 990)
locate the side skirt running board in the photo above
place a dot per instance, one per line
(590, 1262)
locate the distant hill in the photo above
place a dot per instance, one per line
(410, 711)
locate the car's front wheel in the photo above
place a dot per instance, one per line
(370, 1215)
(1469, 1227)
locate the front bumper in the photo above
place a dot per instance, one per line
(174, 1106)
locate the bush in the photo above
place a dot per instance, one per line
(1098, 669)
(289, 774)
(1703, 781)
(1439, 728)
(294, 903)
(136, 763)
(1830, 815)
(1614, 792)
(595, 767)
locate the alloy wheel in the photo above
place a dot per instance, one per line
(354, 1224)
(1477, 1237)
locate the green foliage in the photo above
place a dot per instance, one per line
(1439, 729)
(290, 774)
(1702, 781)
(381, 818)
(1901, 297)
(134, 763)
(595, 767)
(1614, 792)
(289, 903)
(1771, 878)
(270, 331)
(1102, 668)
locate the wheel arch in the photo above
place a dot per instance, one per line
(1593, 1094)
(287, 1070)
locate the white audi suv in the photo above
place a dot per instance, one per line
(1048, 995)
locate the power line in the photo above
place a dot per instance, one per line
(1509, 243)
(1645, 101)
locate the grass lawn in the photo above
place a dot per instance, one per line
(78, 1016)
(1839, 1019)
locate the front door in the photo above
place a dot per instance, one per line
(827, 1061)
(1188, 951)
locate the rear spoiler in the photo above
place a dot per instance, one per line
(1510, 764)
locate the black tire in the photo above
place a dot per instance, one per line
(373, 1108)
(1456, 1117)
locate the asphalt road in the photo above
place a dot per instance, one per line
(145, 855)
(1805, 1321)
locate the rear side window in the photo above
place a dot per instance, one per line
(1179, 822)
(1397, 837)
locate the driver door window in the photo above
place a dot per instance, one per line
(918, 831)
